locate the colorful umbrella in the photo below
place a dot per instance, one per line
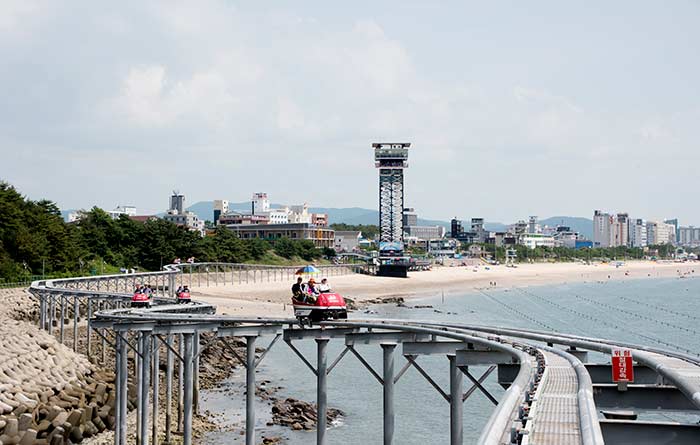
(307, 270)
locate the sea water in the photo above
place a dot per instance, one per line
(655, 312)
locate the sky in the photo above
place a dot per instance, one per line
(512, 108)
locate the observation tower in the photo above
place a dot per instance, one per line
(391, 158)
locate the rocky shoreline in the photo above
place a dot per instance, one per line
(51, 395)
(48, 393)
(217, 363)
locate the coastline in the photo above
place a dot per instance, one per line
(272, 299)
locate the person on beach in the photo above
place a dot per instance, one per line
(324, 286)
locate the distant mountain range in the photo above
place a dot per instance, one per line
(357, 215)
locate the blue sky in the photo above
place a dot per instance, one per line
(513, 108)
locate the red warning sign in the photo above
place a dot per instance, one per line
(622, 369)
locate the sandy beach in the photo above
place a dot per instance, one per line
(272, 299)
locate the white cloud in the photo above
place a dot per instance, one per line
(17, 15)
(239, 83)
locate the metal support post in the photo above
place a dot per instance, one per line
(171, 285)
(63, 316)
(117, 388)
(52, 312)
(456, 403)
(321, 390)
(123, 390)
(168, 389)
(89, 326)
(76, 313)
(145, 386)
(156, 365)
(195, 373)
(250, 391)
(180, 380)
(187, 414)
(103, 336)
(42, 311)
(388, 383)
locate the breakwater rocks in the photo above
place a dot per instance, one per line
(48, 393)
(355, 305)
(300, 415)
(217, 360)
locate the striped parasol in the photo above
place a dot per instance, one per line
(307, 270)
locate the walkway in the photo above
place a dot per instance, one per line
(556, 420)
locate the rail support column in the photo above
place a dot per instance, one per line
(171, 285)
(187, 387)
(180, 380)
(76, 318)
(195, 373)
(52, 313)
(321, 390)
(138, 376)
(123, 390)
(117, 387)
(155, 378)
(250, 391)
(89, 328)
(145, 386)
(42, 311)
(456, 403)
(169, 389)
(388, 351)
(63, 316)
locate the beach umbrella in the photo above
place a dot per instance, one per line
(307, 270)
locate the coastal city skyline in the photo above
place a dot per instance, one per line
(606, 230)
(288, 98)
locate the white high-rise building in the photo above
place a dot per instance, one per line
(532, 225)
(178, 215)
(660, 233)
(637, 233)
(689, 236)
(602, 223)
(261, 203)
(620, 230)
(220, 208)
(610, 230)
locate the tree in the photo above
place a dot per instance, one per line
(369, 231)
(285, 248)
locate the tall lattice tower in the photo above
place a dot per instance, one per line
(391, 159)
